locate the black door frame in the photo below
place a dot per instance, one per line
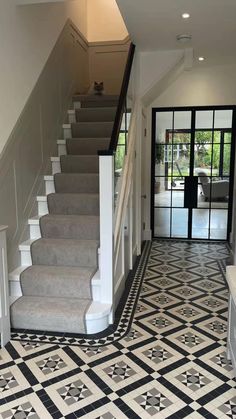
(194, 109)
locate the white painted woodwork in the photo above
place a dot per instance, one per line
(67, 131)
(77, 105)
(106, 196)
(71, 116)
(4, 292)
(61, 146)
(34, 226)
(56, 165)
(49, 184)
(42, 205)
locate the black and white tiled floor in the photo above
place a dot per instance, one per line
(165, 357)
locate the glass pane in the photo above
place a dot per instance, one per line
(203, 201)
(202, 137)
(214, 190)
(202, 158)
(178, 193)
(179, 223)
(200, 226)
(164, 122)
(162, 159)
(162, 192)
(177, 159)
(226, 159)
(182, 120)
(219, 219)
(216, 160)
(223, 119)
(128, 116)
(217, 136)
(227, 137)
(123, 123)
(204, 119)
(119, 159)
(181, 137)
(162, 222)
(121, 140)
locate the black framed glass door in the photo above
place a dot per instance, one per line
(192, 172)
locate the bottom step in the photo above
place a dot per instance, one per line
(66, 315)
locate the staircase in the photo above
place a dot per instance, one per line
(58, 282)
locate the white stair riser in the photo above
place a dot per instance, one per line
(42, 208)
(35, 232)
(77, 105)
(71, 116)
(15, 289)
(26, 259)
(56, 167)
(67, 131)
(49, 186)
(61, 149)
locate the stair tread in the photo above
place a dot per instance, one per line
(65, 217)
(65, 241)
(95, 98)
(42, 198)
(82, 139)
(59, 270)
(50, 313)
(57, 281)
(14, 275)
(26, 243)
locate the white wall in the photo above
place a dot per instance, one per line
(28, 34)
(153, 66)
(202, 85)
(105, 22)
(26, 157)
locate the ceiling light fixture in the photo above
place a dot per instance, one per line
(183, 38)
(201, 58)
(185, 15)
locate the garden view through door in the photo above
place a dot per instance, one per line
(191, 171)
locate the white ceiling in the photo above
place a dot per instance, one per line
(154, 25)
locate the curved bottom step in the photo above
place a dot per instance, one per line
(66, 315)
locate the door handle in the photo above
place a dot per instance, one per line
(144, 196)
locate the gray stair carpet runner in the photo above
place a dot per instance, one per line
(57, 288)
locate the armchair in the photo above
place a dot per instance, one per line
(217, 189)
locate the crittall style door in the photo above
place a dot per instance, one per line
(192, 172)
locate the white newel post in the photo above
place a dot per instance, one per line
(4, 292)
(106, 188)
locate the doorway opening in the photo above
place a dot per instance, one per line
(192, 172)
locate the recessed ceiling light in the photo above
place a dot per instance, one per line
(201, 58)
(185, 15)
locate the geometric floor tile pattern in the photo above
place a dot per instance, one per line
(165, 357)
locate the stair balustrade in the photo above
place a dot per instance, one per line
(119, 193)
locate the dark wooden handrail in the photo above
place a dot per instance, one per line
(121, 104)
